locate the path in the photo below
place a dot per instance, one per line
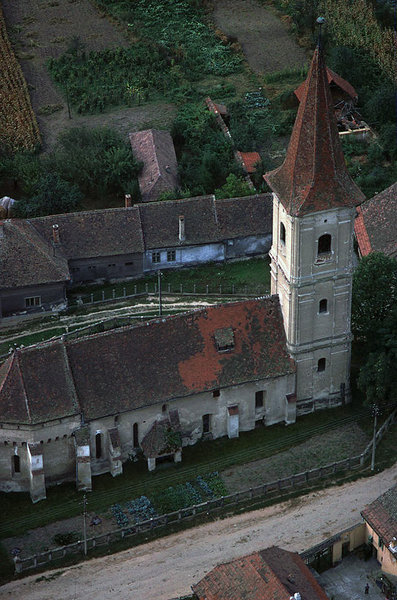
(166, 568)
(264, 39)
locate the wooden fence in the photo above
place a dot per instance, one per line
(216, 504)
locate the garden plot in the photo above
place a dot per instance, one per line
(265, 41)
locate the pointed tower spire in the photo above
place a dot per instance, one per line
(314, 176)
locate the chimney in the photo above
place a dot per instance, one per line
(55, 234)
(181, 228)
(128, 201)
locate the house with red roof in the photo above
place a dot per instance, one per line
(271, 574)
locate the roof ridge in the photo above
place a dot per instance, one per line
(19, 366)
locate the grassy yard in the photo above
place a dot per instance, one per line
(247, 276)
(19, 514)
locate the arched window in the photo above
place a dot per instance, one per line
(98, 445)
(282, 233)
(323, 305)
(16, 463)
(321, 365)
(324, 244)
(135, 441)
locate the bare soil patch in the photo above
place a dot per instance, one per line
(321, 450)
(42, 29)
(264, 39)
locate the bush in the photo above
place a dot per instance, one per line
(64, 539)
(53, 195)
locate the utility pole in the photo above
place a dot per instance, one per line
(375, 412)
(85, 523)
(159, 276)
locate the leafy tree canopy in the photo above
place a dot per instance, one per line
(53, 196)
(234, 187)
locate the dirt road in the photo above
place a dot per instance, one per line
(166, 568)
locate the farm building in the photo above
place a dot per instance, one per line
(41, 257)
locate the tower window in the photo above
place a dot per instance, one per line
(324, 244)
(282, 233)
(321, 365)
(323, 305)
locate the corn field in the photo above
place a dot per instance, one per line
(18, 125)
(355, 23)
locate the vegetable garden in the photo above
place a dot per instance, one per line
(173, 48)
(173, 498)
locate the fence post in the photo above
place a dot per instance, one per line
(194, 288)
(181, 288)
(103, 294)
(146, 287)
(124, 292)
(169, 288)
(251, 493)
(135, 289)
(206, 287)
(233, 290)
(220, 288)
(92, 298)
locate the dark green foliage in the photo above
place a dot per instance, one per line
(53, 195)
(234, 187)
(374, 322)
(63, 539)
(175, 47)
(380, 108)
(98, 160)
(205, 156)
(357, 67)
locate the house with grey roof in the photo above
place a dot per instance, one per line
(41, 257)
(376, 223)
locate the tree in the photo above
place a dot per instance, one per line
(53, 195)
(374, 295)
(374, 322)
(234, 187)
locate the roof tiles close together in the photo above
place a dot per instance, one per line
(143, 365)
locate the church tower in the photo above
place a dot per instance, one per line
(314, 200)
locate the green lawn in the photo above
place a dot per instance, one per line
(244, 277)
(19, 514)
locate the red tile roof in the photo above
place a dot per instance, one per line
(332, 77)
(272, 574)
(376, 223)
(250, 160)
(146, 364)
(361, 234)
(155, 149)
(381, 515)
(314, 176)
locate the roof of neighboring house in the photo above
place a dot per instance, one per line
(30, 257)
(207, 220)
(334, 78)
(155, 149)
(313, 176)
(145, 364)
(25, 259)
(250, 160)
(376, 224)
(94, 233)
(381, 515)
(271, 574)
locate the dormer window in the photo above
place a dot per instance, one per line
(324, 244)
(224, 339)
(282, 233)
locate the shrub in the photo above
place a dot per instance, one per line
(64, 539)
(53, 195)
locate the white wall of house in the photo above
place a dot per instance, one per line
(185, 255)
